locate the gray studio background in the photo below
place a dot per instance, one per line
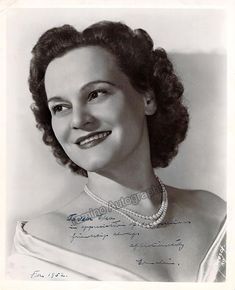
(195, 41)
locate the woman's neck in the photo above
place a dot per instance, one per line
(128, 176)
(119, 183)
(114, 186)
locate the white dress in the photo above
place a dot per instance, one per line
(35, 259)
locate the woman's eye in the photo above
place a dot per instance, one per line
(95, 94)
(58, 108)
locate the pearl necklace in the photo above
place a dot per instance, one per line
(155, 219)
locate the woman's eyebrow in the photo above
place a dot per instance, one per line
(83, 88)
(96, 82)
(55, 99)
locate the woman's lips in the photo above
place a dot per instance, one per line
(94, 141)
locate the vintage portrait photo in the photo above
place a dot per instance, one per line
(116, 144)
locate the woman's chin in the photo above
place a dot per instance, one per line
(94, 166)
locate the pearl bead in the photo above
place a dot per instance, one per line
(157, 217)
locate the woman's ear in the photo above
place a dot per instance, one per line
(150, 105)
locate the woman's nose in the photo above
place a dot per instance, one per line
(81, 118)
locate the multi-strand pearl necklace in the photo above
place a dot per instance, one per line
(154, 219)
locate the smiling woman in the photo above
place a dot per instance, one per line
(110, 106)
(96, 101)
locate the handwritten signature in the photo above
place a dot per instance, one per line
(141, 262)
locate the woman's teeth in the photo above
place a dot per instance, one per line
(97, 136)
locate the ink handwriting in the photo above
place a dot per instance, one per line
(111, 225)
(178, 243)
(51, 275)
(174, 222)
(101, 236)
(142, 262)
(102, 226)
(131, 234)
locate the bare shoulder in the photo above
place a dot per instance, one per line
(204, 207)
(47, 227)
(209, 205)
(53, 227)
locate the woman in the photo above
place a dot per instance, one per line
(110, 107)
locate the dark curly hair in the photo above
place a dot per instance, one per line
(147, 69)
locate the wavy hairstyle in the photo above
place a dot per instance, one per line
(147, 69)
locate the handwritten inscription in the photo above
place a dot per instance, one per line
(37, 274)
(174, 222)
(222, 255)
(142, 262)
(101, 236)
(105, 228)
(77, 219)
(102, 226)
(177, 243)
(130, 234)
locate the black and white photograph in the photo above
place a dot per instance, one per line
(116, 144)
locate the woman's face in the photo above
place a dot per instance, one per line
(89, 95)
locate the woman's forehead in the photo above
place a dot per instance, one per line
(80, 66)
(84, 57)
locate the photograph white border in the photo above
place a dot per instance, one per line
(5, 6)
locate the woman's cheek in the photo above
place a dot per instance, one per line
(61, 130)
